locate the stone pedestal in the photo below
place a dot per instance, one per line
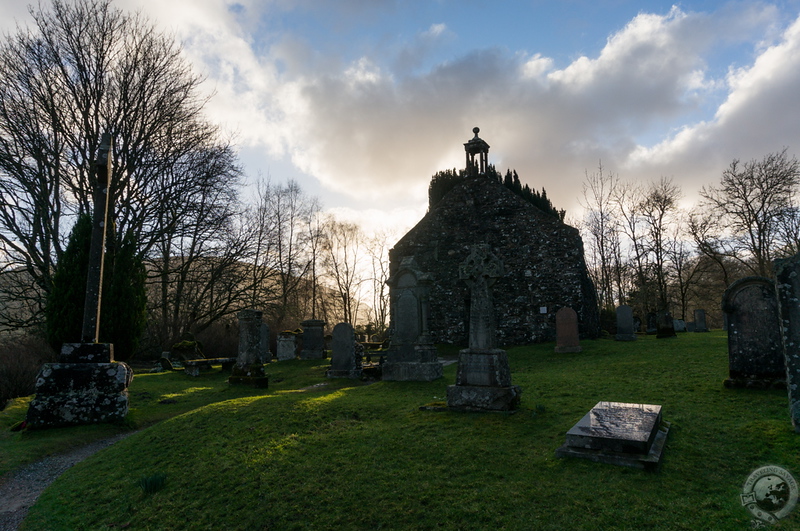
(87, 386)
(426, 370)
(313, 340)
(483, 382)
(620, 434)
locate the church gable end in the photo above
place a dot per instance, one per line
(542, 257)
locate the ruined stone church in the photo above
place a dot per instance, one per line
(543, 262)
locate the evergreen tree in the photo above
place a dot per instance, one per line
(124, 306)
(123, 303)
(64, 310)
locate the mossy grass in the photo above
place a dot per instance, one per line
(346, 455)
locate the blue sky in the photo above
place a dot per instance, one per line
(361, 101)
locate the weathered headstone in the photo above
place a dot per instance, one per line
(787, 273)
(411, 355)
(266, 355)
(86, 386)
(313, 340)
(287, 346)
(755, 348)
(666, 326)
(700, 321)
(248, 368)
(567, 339)
(620, 434)
(690, 326)
(483, 378)
(651, 324)
(679, 325)
(345, 363)
(625, 324)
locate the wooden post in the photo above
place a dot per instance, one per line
(101, 182)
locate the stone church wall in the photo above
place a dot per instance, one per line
(543, 259)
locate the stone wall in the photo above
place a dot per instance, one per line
(543, 260)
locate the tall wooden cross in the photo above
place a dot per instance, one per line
(101, 182)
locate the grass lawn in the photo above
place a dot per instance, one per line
(346, 455)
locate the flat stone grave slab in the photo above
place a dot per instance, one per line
(619, 433)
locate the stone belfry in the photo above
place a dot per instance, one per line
(476, 148)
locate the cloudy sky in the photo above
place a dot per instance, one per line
(361, 101)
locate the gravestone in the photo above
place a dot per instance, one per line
(483, 377)
(651, 324)
(666, 326)
(411, 355)
(345, 363)
(679, 325)
(248, 368)
(286, 346)
(690, 326)
(567, 331)
(787, 273)
(625, 324)
(755, 348)
(266, 355)
(637, 324)
(700, 321)
(313, 340)
(619, 433)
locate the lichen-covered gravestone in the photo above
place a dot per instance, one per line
(345, 362)
(483, 378)
(266, 355)
(787, 273)
(412, 354)
(248, 368)
(313, 340)
(755, 348)
(625, 326)
(287, 346)
(567, 339)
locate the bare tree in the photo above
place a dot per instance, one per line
(86, 68)
(658, 214)
(342, 260)
(602, 226)
(377, 249)
(751, 203)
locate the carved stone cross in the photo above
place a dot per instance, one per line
(479, 272)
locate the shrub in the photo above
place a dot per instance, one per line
(20, 360)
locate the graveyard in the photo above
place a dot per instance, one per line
(312, 452)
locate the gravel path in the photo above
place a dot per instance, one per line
(20, 489)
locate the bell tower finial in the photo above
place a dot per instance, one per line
(476, 147)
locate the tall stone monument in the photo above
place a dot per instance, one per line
(483, 378)
(755, 346)
(787, 273)
(86, 386)
(345, 362)
(412, 354)
(248, 368)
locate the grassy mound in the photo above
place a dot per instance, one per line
(311, 453)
